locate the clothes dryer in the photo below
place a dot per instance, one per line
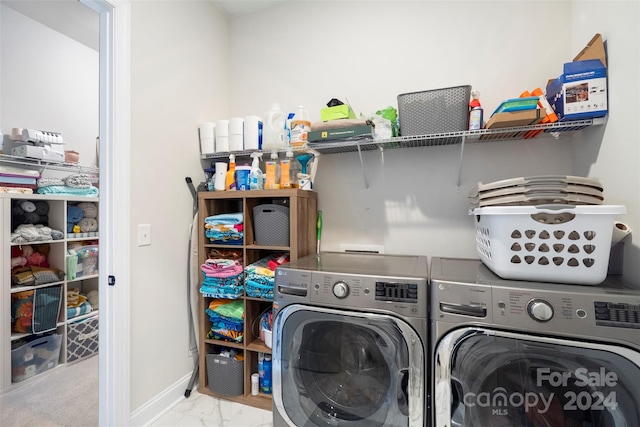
(511, 353)
(350, 341)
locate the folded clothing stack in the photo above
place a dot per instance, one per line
(77, 304)
(17, 180)
(225, 229)
(78, 184)
(227, 320)
(222, 278)
(260, 276)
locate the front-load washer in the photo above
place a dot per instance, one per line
(512, 353)
(350, 341)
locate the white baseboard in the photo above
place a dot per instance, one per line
(160, 404)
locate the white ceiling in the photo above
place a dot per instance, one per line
(70, 18)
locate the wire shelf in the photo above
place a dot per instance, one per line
(350, 145)
(43, 164)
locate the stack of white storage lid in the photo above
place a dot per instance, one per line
(537, 190)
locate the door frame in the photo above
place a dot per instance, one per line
(115, 117)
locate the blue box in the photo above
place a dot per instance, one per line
(580, 92)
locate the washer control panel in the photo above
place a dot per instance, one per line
(398, 292)
(402, 295)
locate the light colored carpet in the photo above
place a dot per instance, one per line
(67, 396)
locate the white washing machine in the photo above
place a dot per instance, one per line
(527, 354)
(350, 341)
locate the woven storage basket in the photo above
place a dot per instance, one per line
(271, 225)
(225, 375)
(434, 111)
(559, 243)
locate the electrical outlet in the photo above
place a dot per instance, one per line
(144, 234)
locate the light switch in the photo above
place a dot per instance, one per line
(144, 234)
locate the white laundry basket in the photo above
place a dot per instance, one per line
(547, 243)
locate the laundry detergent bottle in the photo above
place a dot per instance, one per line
(272, 169)
(285, 170)
(273, 129)
(300, 126)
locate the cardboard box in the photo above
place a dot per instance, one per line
(343, 111)
(365, 131)
(516, 118)
(512, 119)
(581, 91)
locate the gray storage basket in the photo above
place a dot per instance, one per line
(226, 375)
(434, 111)
(271, 225)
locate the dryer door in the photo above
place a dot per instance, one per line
(488, 378)
(338, 368)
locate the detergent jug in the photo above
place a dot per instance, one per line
(273, 130)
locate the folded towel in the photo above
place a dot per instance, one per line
(78, 180)
(228, 219)
(68, 191)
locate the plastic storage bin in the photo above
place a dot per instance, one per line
(560, 243)
(271, 225)
(225, 375)
(85, 262)
(434, 111)
(35, 357)
(82, 339)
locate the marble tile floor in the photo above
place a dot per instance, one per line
(200, 410)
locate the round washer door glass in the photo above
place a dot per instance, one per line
(344, 370)
(525, 381)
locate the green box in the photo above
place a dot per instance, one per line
(343, 111)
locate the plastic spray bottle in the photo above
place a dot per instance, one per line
(294, 169)
(285, 170)
(255, 175)
(230, 181)
(272, 168)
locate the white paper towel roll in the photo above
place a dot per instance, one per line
(236, 134)
(207, 145)
(222, 136)
(620, 231)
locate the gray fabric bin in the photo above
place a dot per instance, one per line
(271, 225)
(226, 375)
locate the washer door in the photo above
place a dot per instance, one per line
(486, 378)
(337, 368)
